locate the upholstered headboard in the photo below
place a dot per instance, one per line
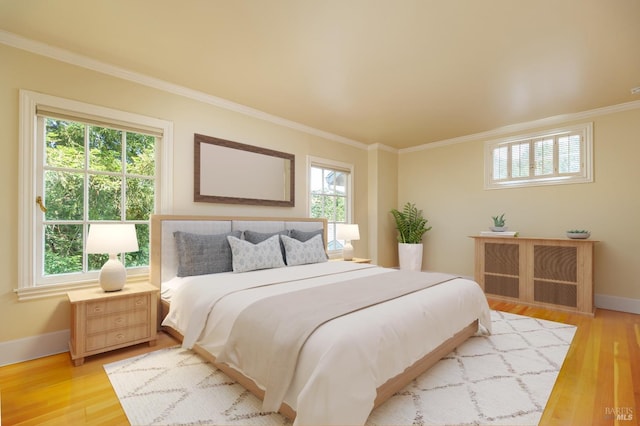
(164, 258)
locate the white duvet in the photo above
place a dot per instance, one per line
(345, 360)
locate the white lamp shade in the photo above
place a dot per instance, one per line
(112, 238)
(347, 231)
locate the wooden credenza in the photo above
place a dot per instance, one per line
(553, 273)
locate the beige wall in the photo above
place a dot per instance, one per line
(447, 183)
(383, 196)
(22, 70)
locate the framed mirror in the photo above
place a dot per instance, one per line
(236, 173)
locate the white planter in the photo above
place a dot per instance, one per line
(410, 256)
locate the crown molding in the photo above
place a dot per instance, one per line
(528, 125)
(62, 55)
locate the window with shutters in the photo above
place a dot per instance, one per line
(558, 156)
(80, 165)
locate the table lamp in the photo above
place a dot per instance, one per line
(112, 239)
(347, 232)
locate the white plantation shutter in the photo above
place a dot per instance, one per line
(520, 160)
(500, 162)
(543, 159)
(554, 157)
(569, 154)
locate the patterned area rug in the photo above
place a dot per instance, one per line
(505, 378)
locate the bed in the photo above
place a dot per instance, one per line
(378, 330)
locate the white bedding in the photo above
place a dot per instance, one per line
(346, 359)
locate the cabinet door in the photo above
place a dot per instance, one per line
(555, 275)
(501, 269)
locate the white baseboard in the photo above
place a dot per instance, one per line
(33, 347)
(615, 303)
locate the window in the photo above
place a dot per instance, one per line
(82, 164)
(330, 186)
(554, 157)
(91, 174)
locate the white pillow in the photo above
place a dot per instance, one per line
(301, 253)
(250, 257)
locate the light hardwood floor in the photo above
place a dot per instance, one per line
(599, 380)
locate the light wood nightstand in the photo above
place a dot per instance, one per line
(103, 321)
(355, 260)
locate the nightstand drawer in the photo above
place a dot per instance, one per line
(116, 337)
(102, 307)
(97, 324)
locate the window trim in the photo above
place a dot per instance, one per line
(338, 165)
(584, 176)
(28, 174)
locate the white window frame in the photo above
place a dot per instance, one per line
(585, 174)
(29, 286)
(336, 165)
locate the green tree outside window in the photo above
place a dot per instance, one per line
(94, 174)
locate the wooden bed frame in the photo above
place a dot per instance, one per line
(384, 392)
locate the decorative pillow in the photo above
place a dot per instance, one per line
(258, 237)
(200, 254)
(305, 235)
(304, 252)
(249, 257)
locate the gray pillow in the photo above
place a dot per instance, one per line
(306, 235)
(257, 237)
(200, 254)
(302, 253)
(250, 257)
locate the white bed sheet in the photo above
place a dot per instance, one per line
(347, 359)
(169, 287)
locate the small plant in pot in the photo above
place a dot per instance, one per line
(498, 223)
(411, 226)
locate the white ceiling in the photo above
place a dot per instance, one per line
(397, 72)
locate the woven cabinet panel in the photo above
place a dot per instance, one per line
(555, 263)
(502, 286)
(556, 293)
(502, 258)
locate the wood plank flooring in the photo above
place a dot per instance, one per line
(51, 391)
(599, 383)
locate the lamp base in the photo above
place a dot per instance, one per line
(347, 252)
(112, 275)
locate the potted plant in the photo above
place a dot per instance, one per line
(411, 226)
(498, 223)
